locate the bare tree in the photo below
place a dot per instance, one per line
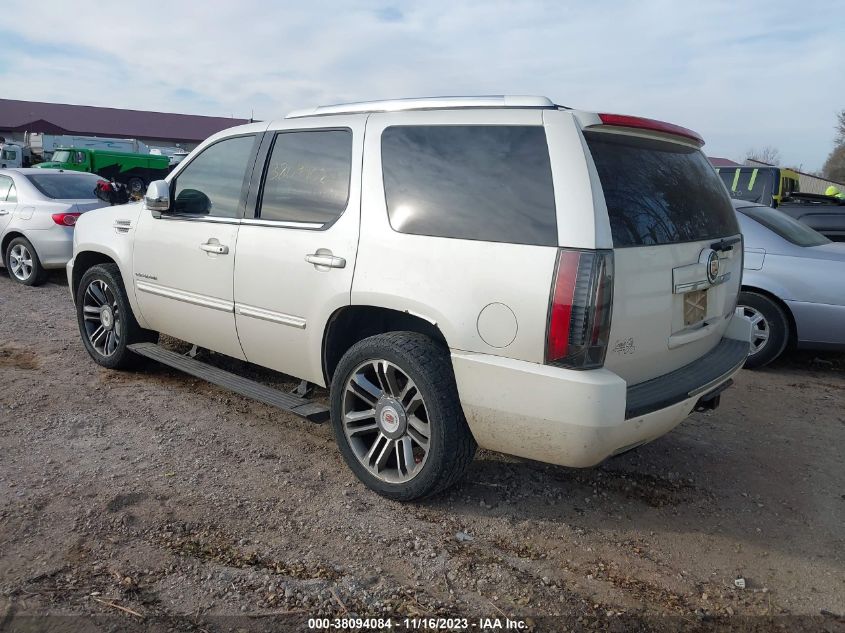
(834, 166)
(840, 128)
(768, 154)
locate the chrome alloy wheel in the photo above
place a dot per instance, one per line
(760, 330)
(101, 317)
(20, 261)
(386, 421)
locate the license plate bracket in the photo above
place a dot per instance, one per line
(695, 307)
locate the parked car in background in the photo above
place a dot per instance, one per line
(495, 271)
(825, 214)
(38, 210)
(764, 185)
(793, 284)
(135, 171)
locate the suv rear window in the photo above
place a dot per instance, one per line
(66, 186)
(473, 182)
(658, 192)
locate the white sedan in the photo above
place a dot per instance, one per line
(38, 210)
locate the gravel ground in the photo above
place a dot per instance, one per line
(146, 498)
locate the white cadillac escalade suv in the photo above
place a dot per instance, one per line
(499, 272)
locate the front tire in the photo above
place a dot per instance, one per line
(769, 328)
(105, 318)
(397, 417)
(23, 264)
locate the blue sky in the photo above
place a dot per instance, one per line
(743, 74)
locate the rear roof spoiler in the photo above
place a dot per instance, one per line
(641, 123)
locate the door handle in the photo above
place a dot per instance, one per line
(330, 261)
(4, 212)
(215, 247)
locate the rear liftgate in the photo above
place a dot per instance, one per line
(289, 402)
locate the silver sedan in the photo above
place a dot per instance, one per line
(793, 284)
(38, 209)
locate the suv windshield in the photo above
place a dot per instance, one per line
(788, 228)
(61, 156)
(658, 192)
(77, 186)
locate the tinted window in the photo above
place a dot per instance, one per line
(307, 177)
(474, 182)
(788, 228)
(5, 183)
(67, 186)
(659, 192)
(211, 183)
(12, 196)
(9, 154)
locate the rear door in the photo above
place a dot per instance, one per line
(297, 247)
(8, 201)
(676, 281)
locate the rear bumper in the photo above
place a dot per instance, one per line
(578, 418)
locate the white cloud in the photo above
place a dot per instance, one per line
(739, 73)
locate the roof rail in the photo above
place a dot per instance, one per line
(427, 103)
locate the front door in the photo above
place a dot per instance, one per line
(183, 262)
(296, 255)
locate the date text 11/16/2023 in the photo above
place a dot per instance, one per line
(417, 624)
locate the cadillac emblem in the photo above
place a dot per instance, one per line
(712, 266)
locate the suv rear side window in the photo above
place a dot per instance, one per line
(307, 177)
(211, 183)
(658, 192)
(475, 182)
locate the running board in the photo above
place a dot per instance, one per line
(307, 409)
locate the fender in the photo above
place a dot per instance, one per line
(110, 231)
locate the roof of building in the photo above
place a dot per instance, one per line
(63, 118)
(722, 162)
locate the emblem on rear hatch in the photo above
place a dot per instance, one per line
(712, 266)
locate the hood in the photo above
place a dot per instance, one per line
(49, 165)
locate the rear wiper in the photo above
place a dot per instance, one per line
(725, 244)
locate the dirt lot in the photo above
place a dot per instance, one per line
(152, 497)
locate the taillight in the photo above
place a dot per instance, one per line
(66, 219)
(580, 310)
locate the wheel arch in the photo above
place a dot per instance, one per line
(85, 260)
(790, 318)
(354, 323)
(7, 239)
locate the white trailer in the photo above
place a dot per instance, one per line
(46, 144)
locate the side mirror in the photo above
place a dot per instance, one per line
(157, 198)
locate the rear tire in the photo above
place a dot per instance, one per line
(23, 264)
(136, 186)
(769, 328)
(397, 417)
(106, 322)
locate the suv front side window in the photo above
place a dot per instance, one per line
(307, 177)
(211, 184)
